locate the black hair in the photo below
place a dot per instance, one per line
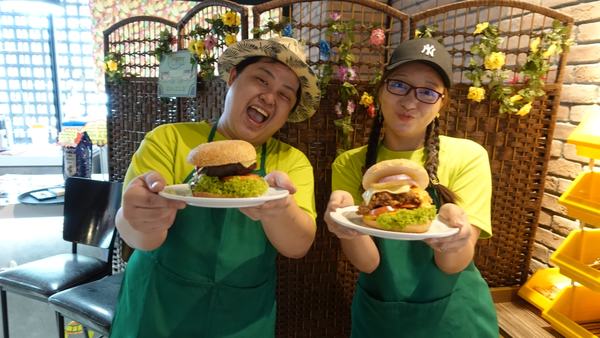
(432, 147)
(239, 68)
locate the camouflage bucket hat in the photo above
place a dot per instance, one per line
(287, 51)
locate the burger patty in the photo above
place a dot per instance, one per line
(408, 200)
(232, 169)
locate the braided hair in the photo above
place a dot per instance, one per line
(432, 148)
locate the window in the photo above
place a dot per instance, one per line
(47, 71)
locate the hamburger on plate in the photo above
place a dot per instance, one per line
(394, 197)
(224, 169)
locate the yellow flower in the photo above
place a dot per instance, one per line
(111, 65)
(481, 27)
(550, 51)
(535, 44)
(230, 18)
(524, 110)
(366, 99)
(476, 94)
(494, 61)
(417, 33)
(196, 47)
(230, 39)
(516, 98)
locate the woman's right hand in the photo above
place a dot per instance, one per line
(144, 209)
(339, 199)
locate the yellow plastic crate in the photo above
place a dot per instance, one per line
(582, 198)
(575, 255)
(543, 287)
(575, 312)
(585, 137)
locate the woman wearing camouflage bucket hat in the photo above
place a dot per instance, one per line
(208, 272)
(428, 287)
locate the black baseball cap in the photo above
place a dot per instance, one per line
(429, 51)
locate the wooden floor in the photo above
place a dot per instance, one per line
(519, 319)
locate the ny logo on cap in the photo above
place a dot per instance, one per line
(428, 50)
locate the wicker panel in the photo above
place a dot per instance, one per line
(314, 293)
(135, 39)
(134, 109)
(208, 103)
(519, 147)
(208, 9)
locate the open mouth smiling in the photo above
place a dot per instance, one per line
(257, 114)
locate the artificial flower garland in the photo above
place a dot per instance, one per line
(113, 66)
(335, 51)
(341, 35)
(488, 65)
(222, 32)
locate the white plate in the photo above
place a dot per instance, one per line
(182, 192)
(350, 219)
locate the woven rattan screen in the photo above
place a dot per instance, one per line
(518, 146)
(314, 293)
(134, 107)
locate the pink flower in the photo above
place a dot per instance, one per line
(338, 109)
(210, 42)
(371, 111)
(345, 73)
(351, 106)
(377, 37)
(335, 16)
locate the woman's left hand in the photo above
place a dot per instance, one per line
(454, 217)
(276, 179)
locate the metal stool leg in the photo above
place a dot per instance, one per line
(60, 322)
(4, 313)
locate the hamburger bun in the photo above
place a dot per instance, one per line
(224, 152)
(395, 167)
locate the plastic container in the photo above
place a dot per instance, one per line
(586, 136)
(543, 287)
(575, 255)
(582, 198)
(576, 309)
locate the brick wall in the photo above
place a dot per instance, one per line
(580, 95)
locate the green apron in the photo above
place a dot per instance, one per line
(409, 296)
(214, 276)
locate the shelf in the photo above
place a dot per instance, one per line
(575, 255)
(575, 312)
(582, 198)
(543, 287)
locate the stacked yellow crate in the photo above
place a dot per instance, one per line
(575, 311)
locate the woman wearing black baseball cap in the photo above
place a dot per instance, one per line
(428, 288)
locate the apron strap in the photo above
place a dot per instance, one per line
(263, 156)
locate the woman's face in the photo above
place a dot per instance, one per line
(258, 101)
(405, 117)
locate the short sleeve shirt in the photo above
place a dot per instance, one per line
(463, 167)
(165, 151)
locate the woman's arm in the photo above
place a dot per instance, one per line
(358, 248)
(454, 253)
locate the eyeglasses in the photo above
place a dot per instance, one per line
(423, 94)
